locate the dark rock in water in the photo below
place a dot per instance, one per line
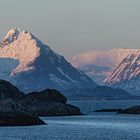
(7, 90)
(17, 109)
(108, 110)
(48, 95)
(131, 110)
(49, 103)
(54, 109)
(14, 114)
(19, 120)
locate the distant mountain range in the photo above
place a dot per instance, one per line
(99, 64)
(31, 65)
(127, 74)
(117, 68)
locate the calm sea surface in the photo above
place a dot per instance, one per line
(94, 126)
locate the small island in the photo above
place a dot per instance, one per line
(18, 109)
(130, 110)
(108, 110)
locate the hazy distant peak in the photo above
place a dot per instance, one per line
(110, 57)
(98, 64)
(128, 69)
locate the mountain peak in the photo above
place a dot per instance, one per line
(32, 65)
(128, 69)
(14, 34)
(11, 35)
(127, 74)
(22, 46)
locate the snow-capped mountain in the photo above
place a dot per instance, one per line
(127, 74)
(32, 66)
(99, 64)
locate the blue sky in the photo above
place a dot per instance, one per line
(74, 26)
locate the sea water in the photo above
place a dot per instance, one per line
(93, 126)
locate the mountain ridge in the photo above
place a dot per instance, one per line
(34, 66)
(127, 74)
(99, 64)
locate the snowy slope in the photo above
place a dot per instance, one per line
(33, 66)
(127, 74)
(98, 64)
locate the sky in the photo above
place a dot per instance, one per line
(71, 27)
